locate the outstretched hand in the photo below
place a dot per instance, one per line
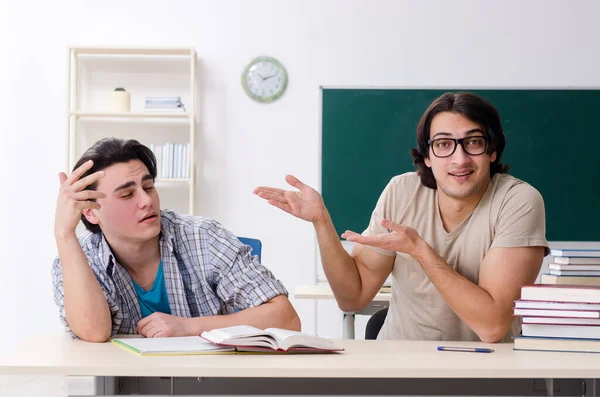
(306, 203)
(400, 238)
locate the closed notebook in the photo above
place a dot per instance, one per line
(562, 266)
(557, 345)
(561, 320)
(570, 280)
(174, 346)
(520, 304)
(576, 253)
(245, 338)
(561, 331)
(589, 273)
(561, 293)
(576, 261)
(557, 313)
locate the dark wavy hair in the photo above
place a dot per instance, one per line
(109, 151)
(471, 106)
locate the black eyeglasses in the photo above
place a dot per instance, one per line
(445, 147)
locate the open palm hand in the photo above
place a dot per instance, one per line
(306, 203)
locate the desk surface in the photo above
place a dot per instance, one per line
(59, 355)
(323, 291)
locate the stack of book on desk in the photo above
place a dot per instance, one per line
(559, 318)
(573, 267)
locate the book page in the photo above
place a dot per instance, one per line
(235, 332)
(287, 339)
(241, 335)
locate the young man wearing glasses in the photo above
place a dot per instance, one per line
(459, 236)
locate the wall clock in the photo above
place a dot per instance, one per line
(264, 79)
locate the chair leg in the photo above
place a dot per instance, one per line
(348, 325)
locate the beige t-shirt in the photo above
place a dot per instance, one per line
(510, 214)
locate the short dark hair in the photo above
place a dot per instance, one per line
(473, 107)
(109, 151)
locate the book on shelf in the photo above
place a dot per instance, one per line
(557, 345)
(561, 293)
(576, 253)
(245, 338)
(163, 100)
(165, 110)
(521, 304)
(561, 331)
(570, 280)
(566, 260)
(176, 346)
(557, 313)
(173, 106)
(561, 321)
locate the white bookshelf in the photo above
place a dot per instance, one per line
(94, 72)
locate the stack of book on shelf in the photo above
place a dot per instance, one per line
(573, 267)
(559, 318)
(164, 104)
(173, 160)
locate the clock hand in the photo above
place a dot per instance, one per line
(268, 77)
(261, 76)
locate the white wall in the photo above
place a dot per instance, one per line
(353, 42)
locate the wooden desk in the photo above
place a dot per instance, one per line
(323, 291)
(59, 355)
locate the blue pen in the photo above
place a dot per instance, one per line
(465, 349)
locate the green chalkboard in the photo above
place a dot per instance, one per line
(552, 142)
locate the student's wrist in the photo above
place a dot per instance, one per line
(422, 250)
(194, 326)
(323, 219)
(64, 236)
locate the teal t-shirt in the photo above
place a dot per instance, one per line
(155, 299)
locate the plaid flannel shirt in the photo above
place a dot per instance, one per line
(207, 272)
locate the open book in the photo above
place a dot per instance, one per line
(250, 339)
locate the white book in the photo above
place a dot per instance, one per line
(557, 313)
(184, 345)
(561, 293)
(557, 345)
(185, 162)
(247, 338)
(570, 280)
(165, 110)
(189, 162)
(567, 321)
(575, 272)
(561, 331)
(576, 261)
(556, 305)
(560, 266)
(159, 161)
(576, 253)
(162, 98)
(179, 160)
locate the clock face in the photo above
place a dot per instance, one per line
(264, 79)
